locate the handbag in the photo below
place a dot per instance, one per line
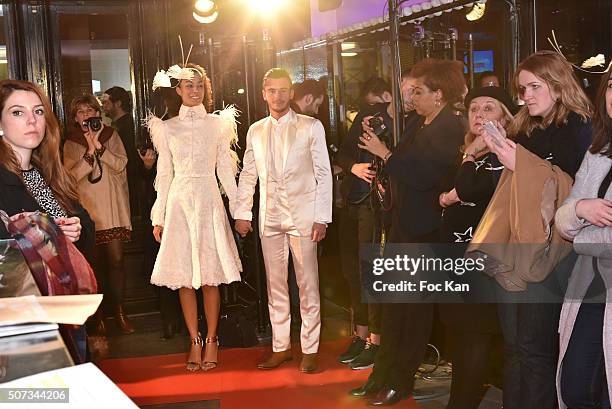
(58, 267)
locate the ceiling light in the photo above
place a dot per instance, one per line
(348, 46)
(205, 11)
(477, 11)
(348, 54)
(206, 20)
(204, 6)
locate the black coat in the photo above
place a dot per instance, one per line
(15, 198)
(349, 153)
(418, 168)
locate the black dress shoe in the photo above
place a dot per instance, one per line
(369, 388)
(387, 397)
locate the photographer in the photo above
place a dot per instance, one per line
(95, 156)
(359, 224)
(417, 168)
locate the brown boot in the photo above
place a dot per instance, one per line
(122, 321)
(275, 360)
(310, 363)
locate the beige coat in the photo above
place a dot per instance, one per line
(516, 231)
(107, 201)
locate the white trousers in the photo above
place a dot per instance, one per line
(275, 249)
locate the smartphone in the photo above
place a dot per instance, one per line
(492, 130)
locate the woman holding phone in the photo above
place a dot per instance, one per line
(554, 125)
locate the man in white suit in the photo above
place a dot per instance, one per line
(287, 153)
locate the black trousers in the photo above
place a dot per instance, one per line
(531, 351)
(471, 352)
(583, 376)
(359, 225)
(406, 329)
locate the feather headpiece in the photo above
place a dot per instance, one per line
(162, 78)
(597, 61)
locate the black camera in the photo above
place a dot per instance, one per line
(378, 126)
(94, 123)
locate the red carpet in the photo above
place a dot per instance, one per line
(239, 384)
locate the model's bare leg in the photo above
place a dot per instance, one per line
(212, 302)
(189, 305)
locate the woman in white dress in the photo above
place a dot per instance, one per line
(197, 244)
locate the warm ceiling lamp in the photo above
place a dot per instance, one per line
(264, 6)
(477, 11)
(205, 11)
(204, 6)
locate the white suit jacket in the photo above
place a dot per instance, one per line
(307, 173)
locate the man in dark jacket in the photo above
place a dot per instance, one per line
(117, 105)
(360, 221)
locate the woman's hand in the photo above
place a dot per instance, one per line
(91, 146)
(71, 227)
(504, 148)
(371, 143)
(157, 233)
(477, 146)
(363, 171)
(595, 211)
(447, 199)
(93, 138)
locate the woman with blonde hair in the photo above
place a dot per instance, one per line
(473, 328)
(552, 128)
(96, 157)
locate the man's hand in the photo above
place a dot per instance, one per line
(157, 233)
(148, 159)
(71, 227)
(318, 232)
(363, 171)
(243, 227)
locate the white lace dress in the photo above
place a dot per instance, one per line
(197, 246)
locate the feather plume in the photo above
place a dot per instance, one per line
(230, 115)
(161, 80)
(598, 60)
(155, 126)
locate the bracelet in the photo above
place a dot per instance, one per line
(387, 156)
(469, 155)
(89, 159)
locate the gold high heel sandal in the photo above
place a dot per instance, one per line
(193, 366)
(209, 363)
